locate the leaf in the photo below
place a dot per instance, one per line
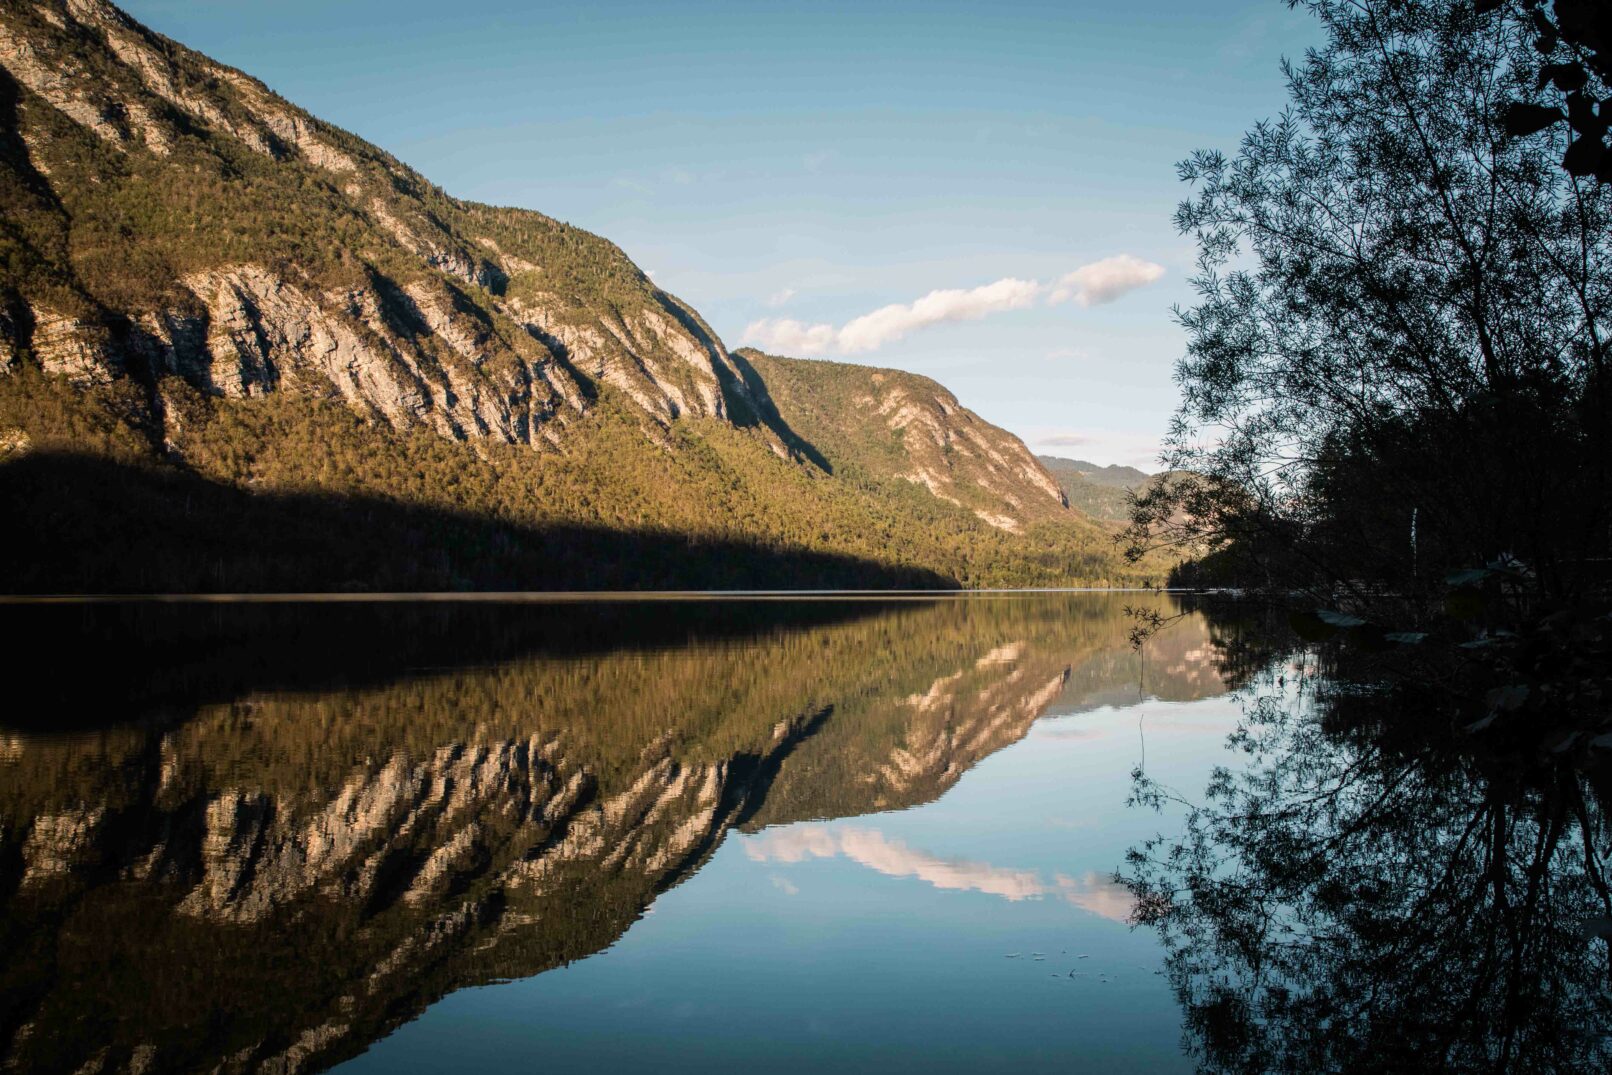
(1483, 7)
(1338, 619)
(1583, 157)
(1406, 638)
(1479, 725)
(1468, 577)
(1522, 119)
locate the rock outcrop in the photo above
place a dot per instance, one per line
(899, 425)
(472, 334)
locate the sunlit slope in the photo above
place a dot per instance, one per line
(207, 284)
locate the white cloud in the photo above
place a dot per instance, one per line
(1098, 894)
(1065, 440)
(781, 296)
(893, 858)
(784, 885)
(1090, 285)
(1104, 281)
(1103, 447)
(1091, 892)
(890, 323)
(786, 336)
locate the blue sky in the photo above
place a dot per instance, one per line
(811, 163)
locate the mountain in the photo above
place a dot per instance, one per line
(878, 425)
(1112, 476)
(227, 325)
(1101, 492)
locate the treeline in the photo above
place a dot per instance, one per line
(288, 493)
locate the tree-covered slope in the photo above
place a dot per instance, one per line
(874, 425)
(228, 326)
(1101, 492)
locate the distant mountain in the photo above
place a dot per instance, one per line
(1102, 492)
(227, 325)
(1114, 476)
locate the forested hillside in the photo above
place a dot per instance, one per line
(1101, 492)
(245, 350)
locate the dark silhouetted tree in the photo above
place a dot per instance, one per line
(1398, 361)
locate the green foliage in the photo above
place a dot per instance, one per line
(282, 492)
(197, 173)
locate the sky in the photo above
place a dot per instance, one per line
(977, 192)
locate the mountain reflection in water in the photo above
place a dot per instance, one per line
(271, 834)
(878, 834)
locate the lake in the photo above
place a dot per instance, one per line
(784, 835)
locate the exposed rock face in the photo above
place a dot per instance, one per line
(419, 355)
(81, 351)
(901, 425)
(439, 337)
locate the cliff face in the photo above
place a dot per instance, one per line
(884, 424)
(278, 254)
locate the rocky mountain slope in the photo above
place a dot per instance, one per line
(202, 282)
(294, 257)
(880, 424)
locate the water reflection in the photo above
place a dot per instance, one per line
(1377, 888)
(278, 832)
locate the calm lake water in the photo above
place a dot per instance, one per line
(779, 835)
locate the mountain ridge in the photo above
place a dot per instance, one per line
(1103, 492)
(217, 274)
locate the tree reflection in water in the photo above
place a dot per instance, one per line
(1375, 892)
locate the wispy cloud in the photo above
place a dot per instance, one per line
(1065, 440)
(1091, 891)
(1090, 285)
(780, 297)
(1104, 281)
(1098, 894)
(1140, 450)
(893, 858)
(889, 323)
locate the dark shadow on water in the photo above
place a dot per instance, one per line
(83, 666)
(77, 524)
